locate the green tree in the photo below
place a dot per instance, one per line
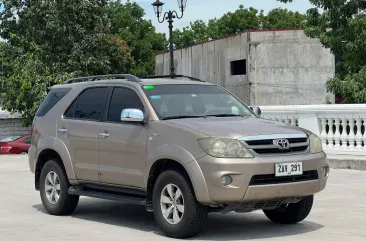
(341, 27)
(197, 32)
(127, 22)
(49, 40)
(235, 22)
(280, 18)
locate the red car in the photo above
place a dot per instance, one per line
(15, 145)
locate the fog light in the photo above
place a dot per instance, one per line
(226, 180)
(326, 171)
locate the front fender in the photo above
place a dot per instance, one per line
(187, 160)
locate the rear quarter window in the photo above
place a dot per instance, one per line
(53, 97)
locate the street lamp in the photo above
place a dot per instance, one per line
(169, 16)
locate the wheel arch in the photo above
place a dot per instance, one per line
(159, 167)
(43, 157)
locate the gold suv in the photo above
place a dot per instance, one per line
(181, 147)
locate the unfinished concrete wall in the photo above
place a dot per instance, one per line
(282, 67)
(288, 68)
(11, 125)
(211, 62)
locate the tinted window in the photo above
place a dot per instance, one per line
(123, 98)
(28, 140)
(51, 100)
(70, 111)
(90, 103)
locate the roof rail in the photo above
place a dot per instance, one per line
(129, 77)
(172, 77)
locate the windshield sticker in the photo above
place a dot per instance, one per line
(155, 97)
(148, 87)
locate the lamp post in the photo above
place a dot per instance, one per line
(169, 16)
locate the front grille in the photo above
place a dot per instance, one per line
(267, 146)
(272, 179)
(280, 151)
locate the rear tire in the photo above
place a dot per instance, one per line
(293, 213)
(194, 215)
(54, 187)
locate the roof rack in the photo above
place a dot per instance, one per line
(129, 77)
(172, 77)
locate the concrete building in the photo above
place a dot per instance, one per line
(279, 67)
(11, 125)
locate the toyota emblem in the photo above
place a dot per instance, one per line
(282, 144)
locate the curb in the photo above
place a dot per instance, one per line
(353, 164)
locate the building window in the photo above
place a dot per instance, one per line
(238, 67)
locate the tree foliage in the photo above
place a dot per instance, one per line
(48, 41)
(341, 27)
(235, 22)
(128, 23)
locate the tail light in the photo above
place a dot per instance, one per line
(5, 147)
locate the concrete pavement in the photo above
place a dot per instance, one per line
(339, 213)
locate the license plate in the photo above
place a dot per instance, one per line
(288, 169)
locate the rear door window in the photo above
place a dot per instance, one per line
(53, 97)
(89, 105)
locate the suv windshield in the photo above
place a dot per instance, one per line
(190, 101)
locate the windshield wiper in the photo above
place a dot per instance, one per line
(183, 117)
(225, 115)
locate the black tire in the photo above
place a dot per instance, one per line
(66, 203)
(293, 213)
(195, 213)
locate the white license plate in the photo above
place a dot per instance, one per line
(288, 169)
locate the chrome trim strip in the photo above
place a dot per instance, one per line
(276, 147)
(299, 144)
(271, 136)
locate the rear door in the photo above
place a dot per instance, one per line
(78, 129)
(122, 154)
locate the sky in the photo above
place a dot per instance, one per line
(207, 9)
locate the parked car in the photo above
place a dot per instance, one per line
(15, 145)
(182, 148)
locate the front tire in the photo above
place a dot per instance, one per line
(54, 187)
(293, 213)
(176, 210)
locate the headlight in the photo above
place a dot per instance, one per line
(316, 145)
(221, 147)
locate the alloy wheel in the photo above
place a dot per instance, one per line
(172, 204)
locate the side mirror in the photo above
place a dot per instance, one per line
(256, 110)
(132, 115)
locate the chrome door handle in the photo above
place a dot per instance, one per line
(104, 134)
(62, 130)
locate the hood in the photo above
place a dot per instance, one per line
(236, 127)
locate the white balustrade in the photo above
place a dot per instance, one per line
(341, 127)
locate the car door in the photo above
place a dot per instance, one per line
(78, 129)
(122, 145)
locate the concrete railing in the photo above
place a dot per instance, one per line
(341, 127)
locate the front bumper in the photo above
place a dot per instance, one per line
(241, 190)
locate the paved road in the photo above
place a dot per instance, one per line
(339, 214)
